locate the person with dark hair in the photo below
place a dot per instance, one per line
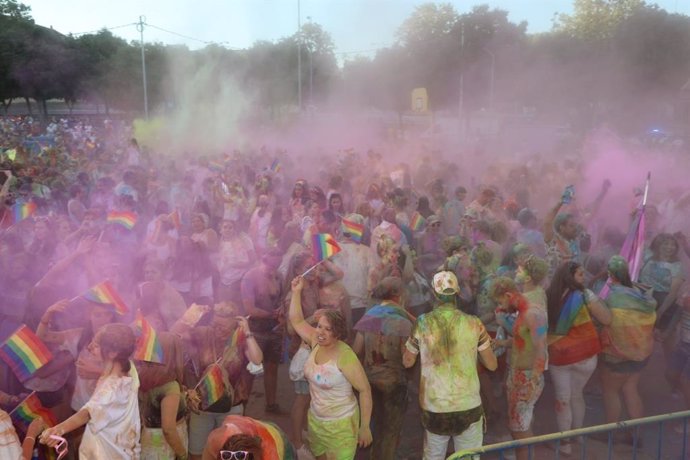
(423, 207)
(449, 343)
(337, 424)
(627, 342)
(561, 233)
(262, 296)
(228, 342)
(245, 438)
(112, 414)
(665, 274)
(163, 405)
(381, 334)
(528, 234)
(573, 341)
(298, 200)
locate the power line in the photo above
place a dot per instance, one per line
(106, 28)
(187, 37)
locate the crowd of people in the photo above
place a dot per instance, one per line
(468, 290)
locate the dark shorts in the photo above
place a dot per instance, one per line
(679, 361)
(626, 367)
(271, 345)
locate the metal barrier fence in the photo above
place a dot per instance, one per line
(504, 450)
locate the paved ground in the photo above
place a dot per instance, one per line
(655, 392)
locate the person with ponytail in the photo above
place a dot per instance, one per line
(627, 342)
(573, 342)
(111, 415)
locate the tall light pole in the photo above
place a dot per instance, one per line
(140, 28)
(299, 57)
(461, 96)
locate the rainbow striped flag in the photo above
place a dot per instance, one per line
(24, 352)
(216, 166)
(355, 230)
(323, 246)
(211, 386)
(417, 222)
(148, 346)
(29, 410)
(125, 218)
(21, 211)
(104, 292)
(275, 166)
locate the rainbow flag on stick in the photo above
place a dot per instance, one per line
(104, 292)
(355, 230)
(29, 410)
(21, 211)
(275, 166)
(148, 346)
(125, 218)
(24, 352)
(323, 246)
(216, 166)
(417, 222)
(211, 386)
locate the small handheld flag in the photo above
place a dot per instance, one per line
(24, 352)
(125, 218)
(323, 246)
(417, 222)
(216, 166)
(355, 230)
(211, 386)
(29, 410)
(21, 211)
(275, 166)
(104, 292)
(148, 346)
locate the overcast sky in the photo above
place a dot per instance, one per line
(357, 26)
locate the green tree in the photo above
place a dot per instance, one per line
(596, 19)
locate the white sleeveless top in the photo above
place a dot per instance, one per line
(331, 393)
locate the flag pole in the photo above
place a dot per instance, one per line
(646, 189)
(313, 267)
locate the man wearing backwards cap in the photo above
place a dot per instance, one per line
(448, 341)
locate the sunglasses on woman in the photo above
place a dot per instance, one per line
(236, 455)
(61, 447)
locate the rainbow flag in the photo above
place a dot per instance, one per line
(275, 166)
(323, 246)
(29, 410)
(148, 346)
(21, 211)
(104, 292)
(417, 222)
(211, 386)
(355, 230)
(125, 218)
(175, 218)
(216, 166)
(24, 352)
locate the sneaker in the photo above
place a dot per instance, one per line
(303, 453)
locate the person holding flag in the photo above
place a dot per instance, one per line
(223, 350)
(162, 403)
(337, 424)
(112, 414)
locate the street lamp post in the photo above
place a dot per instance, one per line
(140, 28)
(299, 57)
